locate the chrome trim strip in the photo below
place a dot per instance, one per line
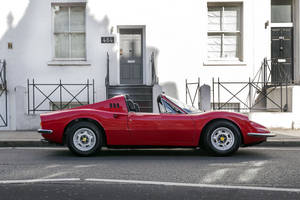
(262, 134)
(45, 131)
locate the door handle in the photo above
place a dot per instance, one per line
(119, 115)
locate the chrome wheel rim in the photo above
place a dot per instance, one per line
(222, 139)
(84, 139)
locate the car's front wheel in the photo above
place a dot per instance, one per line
(84, 138)
(222, 138)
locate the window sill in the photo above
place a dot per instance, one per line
(68, 63)
(224, 63)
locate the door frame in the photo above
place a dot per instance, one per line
(295, 24)
(144, 53)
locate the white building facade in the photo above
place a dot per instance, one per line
(63, 42)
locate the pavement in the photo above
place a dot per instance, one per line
(260, 173)
(284, 138)
(21, 139)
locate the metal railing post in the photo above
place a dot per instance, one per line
(33, 96)
(218, 93)
(286, 95)
(93, 91)
(4, 74)
(60, 94)
(265, 72)
(198, 91)
(88, 91)
(213, 94)
(28, 98)
(186, 91)
(250, 95)
(281, 108)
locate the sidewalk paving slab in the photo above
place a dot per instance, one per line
(22, 139)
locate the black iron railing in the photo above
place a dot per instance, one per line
(252, 95)
(3, 95)
(48, 97)
(192, 92)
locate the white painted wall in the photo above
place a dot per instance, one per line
(176, 29)
(281, 119)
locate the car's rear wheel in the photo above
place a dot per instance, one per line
(222, 138)
(84, 138)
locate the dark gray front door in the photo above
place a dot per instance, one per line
(131, 56)
(282, 54)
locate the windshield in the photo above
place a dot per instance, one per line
(183, 106)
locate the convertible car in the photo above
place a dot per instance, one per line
(118, 122)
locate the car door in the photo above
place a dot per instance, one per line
(164, 129)
(177, 129)
(143, 128)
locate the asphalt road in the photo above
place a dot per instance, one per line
(55, 173)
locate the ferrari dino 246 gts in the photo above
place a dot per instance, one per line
(117, 122)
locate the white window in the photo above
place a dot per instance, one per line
(224, 31)
(69, 32)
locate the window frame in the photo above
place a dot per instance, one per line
(239, 32)
(68, 5)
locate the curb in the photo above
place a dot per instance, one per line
(22, 143)
(289, 143)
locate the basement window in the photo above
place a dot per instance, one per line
(232, 107)
(65, 105)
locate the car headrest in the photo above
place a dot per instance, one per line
(131, 106)
(137, 107)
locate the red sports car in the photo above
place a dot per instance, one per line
(117, 122)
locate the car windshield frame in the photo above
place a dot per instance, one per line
(186, 108)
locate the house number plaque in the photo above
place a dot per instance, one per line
(107, 40)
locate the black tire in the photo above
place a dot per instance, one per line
(91, 134)
(223, 129)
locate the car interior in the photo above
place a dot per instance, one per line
(131, 105)
(164, 107)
